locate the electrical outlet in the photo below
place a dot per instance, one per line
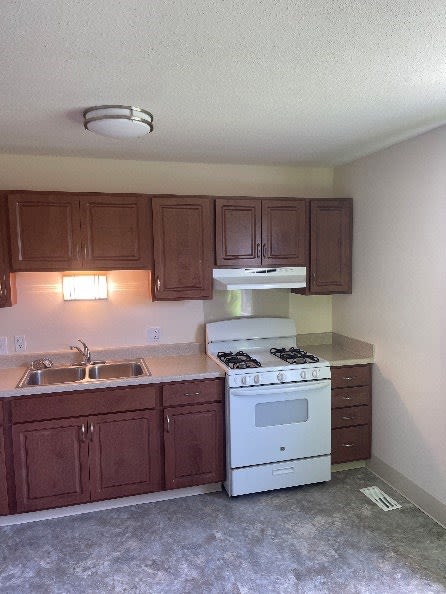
(3, 345)
(20, 343)
(153, 334)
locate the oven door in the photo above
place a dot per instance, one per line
(274, 423)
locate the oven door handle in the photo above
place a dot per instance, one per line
(280, 389)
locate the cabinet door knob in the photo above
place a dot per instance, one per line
(91, 431)
(157, 284)
(82, 432)
(168, 424)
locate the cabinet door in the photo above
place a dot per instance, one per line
(238, 232)
(51, 464)
(45, 232)
(7, 293)
(124, 454)
(183, 253)
(3, 487)
(115, 232)
(193, 442)
(284, 233)
(331, 246)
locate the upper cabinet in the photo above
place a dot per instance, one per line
(7, 281)
(254, 232)
(63, 231)
(331, 246)
(183, 247)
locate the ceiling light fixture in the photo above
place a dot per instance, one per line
(118, 121)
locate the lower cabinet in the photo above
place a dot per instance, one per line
(3, 485)
(351, 406)
(69, 461)
(76, 447)
(193, 442)
(193, 433)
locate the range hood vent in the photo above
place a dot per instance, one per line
(291, 277)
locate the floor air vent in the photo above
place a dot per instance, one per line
(382, 500)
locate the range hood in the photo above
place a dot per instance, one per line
(290, 277)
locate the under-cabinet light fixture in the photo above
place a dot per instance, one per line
(84, 286)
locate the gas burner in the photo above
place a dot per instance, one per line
(238, 360)
(294, 355)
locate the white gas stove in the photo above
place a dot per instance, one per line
(278, 417)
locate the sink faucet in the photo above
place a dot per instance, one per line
(85, 352)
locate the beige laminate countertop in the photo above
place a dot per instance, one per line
(184, 362)
(337, 349)
(163, 369)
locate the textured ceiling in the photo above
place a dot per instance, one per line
(228, 81)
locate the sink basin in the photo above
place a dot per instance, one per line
(53, 375)
(103, 371)
(84, 374)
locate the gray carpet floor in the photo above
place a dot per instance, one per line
(322, 538)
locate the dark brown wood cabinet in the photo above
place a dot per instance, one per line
(7, 280)
(64, 231)
(351, 413)
(71, 460)
(4, 507)
(50, 464)
(330, 269)
(183, 247)
(261, 232)
(193, 433)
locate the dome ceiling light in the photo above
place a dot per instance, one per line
(118, 121)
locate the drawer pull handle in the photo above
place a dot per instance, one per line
(347, 418)
(348, 445)
(168, 423)
(347, 398)
(91, 431)
(82, 432)
(192, 393)
(349, 379)
(258, 251)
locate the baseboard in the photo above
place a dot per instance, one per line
(74, 510)
(422, 499)
(348, 465)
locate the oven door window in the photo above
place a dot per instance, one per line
(287, 412)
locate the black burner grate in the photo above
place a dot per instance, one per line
(294, 355)
(238, 360)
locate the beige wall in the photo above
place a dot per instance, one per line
(398, 300)
(49, 323)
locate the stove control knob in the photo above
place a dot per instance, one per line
(244, 380)
(280, 377)
(257, 379)
(315, 373)
(303, 374)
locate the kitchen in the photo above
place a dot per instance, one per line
(396, 302)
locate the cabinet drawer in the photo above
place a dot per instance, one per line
(193, 392)
(76, 404)
(351, 375)
(352, 443)
(342, 397)
(352, 415)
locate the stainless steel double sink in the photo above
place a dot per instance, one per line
(84, 373)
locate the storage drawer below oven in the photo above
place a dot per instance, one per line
(267, 477)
